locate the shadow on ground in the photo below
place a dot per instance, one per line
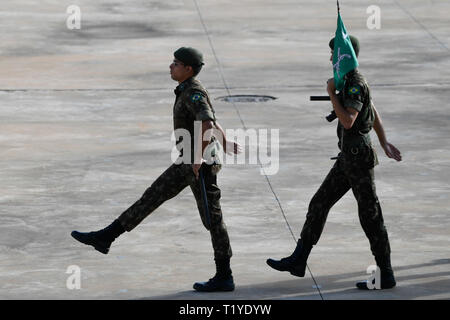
(340, 286)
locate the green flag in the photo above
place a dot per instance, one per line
(344, 57)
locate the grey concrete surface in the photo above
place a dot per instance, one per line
(85, 126)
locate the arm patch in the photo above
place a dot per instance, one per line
(354, 90)
(196, 97)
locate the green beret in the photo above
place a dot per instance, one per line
(189, 56)
(355, 44)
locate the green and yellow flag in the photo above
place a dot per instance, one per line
(344, 57)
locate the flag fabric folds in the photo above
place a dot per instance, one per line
(344, 57)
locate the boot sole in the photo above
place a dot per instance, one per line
(297, 274)
(202, 289)
(97, 247)
(363, 286)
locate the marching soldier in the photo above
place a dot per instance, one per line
(353, 169)
(192, 104)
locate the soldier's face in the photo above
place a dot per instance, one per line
(179, 71)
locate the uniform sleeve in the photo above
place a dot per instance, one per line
(198, 104)
(354, 97)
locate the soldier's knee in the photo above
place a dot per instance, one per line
(214, 196)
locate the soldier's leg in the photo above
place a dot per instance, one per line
(332, 189)
(223, 280)
(170, 183)
(218, 230)
(372, 222)
(369, 211)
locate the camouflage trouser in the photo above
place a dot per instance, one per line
(172, 182)
(339, 180)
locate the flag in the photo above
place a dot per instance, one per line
(344, 57)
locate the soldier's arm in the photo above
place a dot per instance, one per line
(347, 115)
(228, 146)
(197, 104)
(390, 150)
(207, 131)
(210, 128)
(203, 140)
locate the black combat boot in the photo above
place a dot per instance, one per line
(101, 240)
(222, 281)
(387, 280)
(296, 262)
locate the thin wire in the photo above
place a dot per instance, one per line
(422, 26)
(290, 229)
(217, 61)
(243, 125)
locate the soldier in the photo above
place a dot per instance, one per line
(353, 169)
(192, 104)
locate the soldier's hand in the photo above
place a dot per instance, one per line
(231, 147)
(391, 151)
(196, 168)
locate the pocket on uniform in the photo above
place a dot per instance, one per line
(361, 156)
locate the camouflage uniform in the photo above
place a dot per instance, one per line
(354, 169)
(192, 103)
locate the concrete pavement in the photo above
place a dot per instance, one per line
(85, 127)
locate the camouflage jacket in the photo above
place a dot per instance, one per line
(355, 143)
(192, 104)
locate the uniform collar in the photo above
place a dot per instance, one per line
(182, 86)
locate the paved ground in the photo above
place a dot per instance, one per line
(85, 125)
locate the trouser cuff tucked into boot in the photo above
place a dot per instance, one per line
(223, 269)
(222, 281)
